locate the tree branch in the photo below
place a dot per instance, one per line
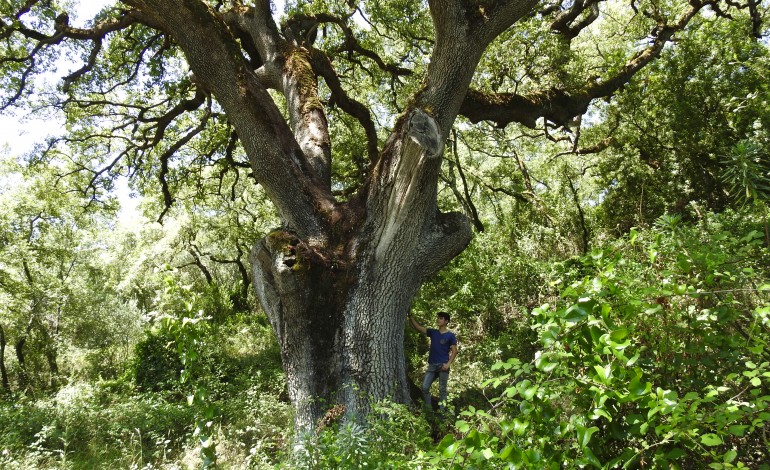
(560, 106)
(563, 23)
(323, 67)
(301, 197)
(287, 68)
(303, 28)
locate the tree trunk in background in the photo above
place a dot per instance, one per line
(19, 347)
(51, 355)
(338, 310)
(3, 372)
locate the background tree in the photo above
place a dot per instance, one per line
(167, 89)
(56, 287)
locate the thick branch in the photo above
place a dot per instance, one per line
(499, 16)
(323, 67)
(287, 68)
(563, 23)
(280, 166)
(463, 31)
(561, 106)
(504, 108)
(244, 272)
(447, 238)
(197, 262)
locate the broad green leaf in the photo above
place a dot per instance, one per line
(575, 313)
(710, 440)
(619, 334)
(729, 456)
(584, 435)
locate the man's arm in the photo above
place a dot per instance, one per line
(452, 354)
(416, 325)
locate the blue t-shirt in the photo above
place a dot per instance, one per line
(440, 345)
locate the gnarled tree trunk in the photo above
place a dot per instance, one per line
(338, 309)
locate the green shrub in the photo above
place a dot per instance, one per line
(74, 428)
(156, 366)
(391, 438)
(655, 354)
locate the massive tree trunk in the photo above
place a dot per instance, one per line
(338, 309)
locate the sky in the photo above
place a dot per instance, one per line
(17, 131)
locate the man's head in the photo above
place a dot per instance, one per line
(443, 315)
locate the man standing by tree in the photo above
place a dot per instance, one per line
(443, 349)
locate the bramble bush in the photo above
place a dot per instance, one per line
(654, 355)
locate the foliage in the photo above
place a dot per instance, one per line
(86, 425)
(681, 132)
(58, 294)
(113, 424)
(748, 171)
(390, 437)
(654, 354)
(182, 318)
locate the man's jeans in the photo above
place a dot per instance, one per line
(434, 372)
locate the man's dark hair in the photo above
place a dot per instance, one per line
(443, 315)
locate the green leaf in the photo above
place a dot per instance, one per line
(462, 426)
(633, 360)
(619, 334)
(520, 426)
(603, 373)
(451, 449)
(511, 453)
(711, 440)
(584, 435)
(446, 442)
(575, 313)
(529, 392)
(544, 363)
(591, 458)
(675, 453)
(637, 388)
(601, 413)
(729, 456)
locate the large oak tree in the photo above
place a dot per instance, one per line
(341, 113)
